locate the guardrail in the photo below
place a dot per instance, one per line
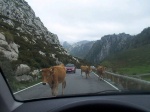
(129, 83)
(141, 75)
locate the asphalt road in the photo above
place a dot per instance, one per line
(76, 84)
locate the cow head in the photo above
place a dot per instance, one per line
(47, 75)
(101, 69)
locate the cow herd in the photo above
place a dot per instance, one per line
(56, 75)
(100, 70)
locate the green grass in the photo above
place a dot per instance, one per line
(135, 70)
(134, 57)
(130, 62)
(147, 78)
(25, 84)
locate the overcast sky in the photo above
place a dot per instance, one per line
(76, 20)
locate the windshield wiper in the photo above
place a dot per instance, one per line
(122, 92)
(108, 91)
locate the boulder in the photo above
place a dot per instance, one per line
(10, 50)
(23, 69)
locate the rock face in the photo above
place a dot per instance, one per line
(25, 40)
(22, 69)
(80, 43)
(10, 50)
(108, 45)
(79, 49)
(24, 78)
(18, 11)
(67, 46)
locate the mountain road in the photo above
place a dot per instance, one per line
(75, 84)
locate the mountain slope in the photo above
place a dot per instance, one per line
(141, 39)
(132, 61)
(80, 43)
(67, 46)
(108, 45)
(135, 59)
(80, 51)
(18, 15)
(25, 40)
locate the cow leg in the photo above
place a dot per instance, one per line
(53, 94)
(99, 77)
(81, 73)
(56, 90)
(102, 76)
(86, 75)
(52, 89)
(63, 86)
(89, 74)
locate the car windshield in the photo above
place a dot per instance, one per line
(70, 65)
(107, 42)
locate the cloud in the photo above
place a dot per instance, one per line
(75, 20)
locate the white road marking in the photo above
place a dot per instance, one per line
(27, 88)
(107, 82)
(41, 82)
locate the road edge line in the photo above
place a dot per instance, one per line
(27, 88)
(108, 82)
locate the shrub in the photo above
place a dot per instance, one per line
(134, 73)
(9, 37)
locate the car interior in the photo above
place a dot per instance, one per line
(106, 102)
(101, 69)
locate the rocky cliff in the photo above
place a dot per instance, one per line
(25, 40)
(78, 49)
(10, 50)
(108, 45)
(19, 15)
(67, 46)
(81, 50)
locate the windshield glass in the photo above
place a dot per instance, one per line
(108, 42)
(70, 65)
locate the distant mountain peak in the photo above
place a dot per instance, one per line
(78, 49)
(115, 43)
(107, 45)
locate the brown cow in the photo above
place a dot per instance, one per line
(100, 71)
(53, 76)
(87, 70)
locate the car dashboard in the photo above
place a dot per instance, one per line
(97, 102)
(122, 103)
